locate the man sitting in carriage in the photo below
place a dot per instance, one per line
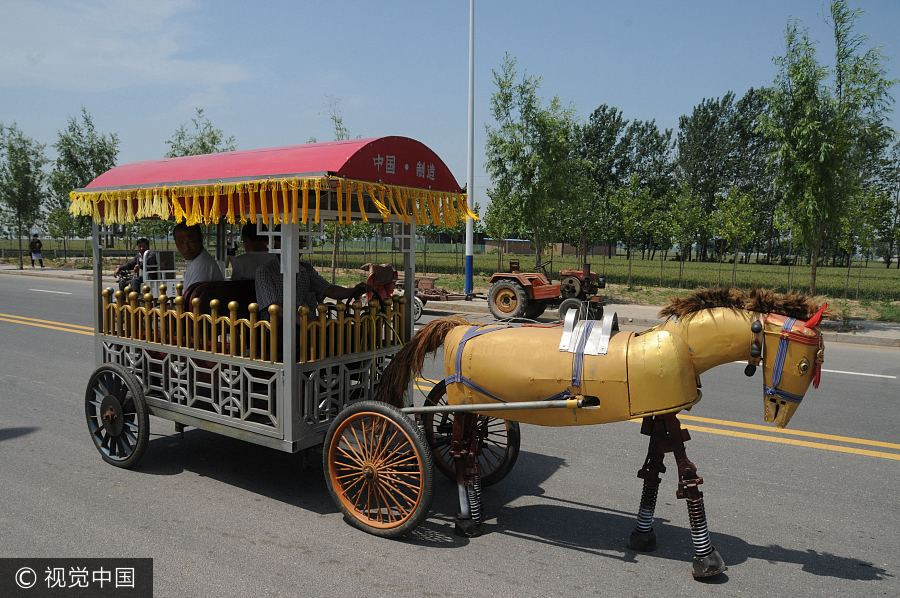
(311, 287)
(201, 267)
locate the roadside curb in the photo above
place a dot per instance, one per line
(468, 307)
(57, 274)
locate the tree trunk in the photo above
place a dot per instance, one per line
(858, 280)
(660, 268)
(628, 251)
(814, 258)
(681, 271)
(334, 253)
(734, 266)
(19, 228)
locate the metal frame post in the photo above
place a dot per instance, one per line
(290, 396)
(408, 236)
(98, 289)
(470, 168)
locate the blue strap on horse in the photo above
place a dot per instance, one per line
(457, 375)
(778, 367)
(578, 358)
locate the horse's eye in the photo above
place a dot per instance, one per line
(804, 366)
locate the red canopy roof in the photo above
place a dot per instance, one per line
(390, 160)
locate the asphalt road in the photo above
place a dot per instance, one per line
(800, 515)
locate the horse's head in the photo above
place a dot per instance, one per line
(792, 359)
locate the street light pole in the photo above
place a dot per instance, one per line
(470, 169)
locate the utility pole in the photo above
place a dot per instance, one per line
(470, 169)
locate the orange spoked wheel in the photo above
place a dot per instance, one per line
(378, 469)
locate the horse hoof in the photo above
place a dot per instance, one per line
(642, 541)
(467, 528)
(709, 565)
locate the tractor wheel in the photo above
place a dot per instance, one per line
(570, 287)
(507, 300)
(568, 304)
(535, 309)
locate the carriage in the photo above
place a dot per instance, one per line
(340, 375)
(208, 357)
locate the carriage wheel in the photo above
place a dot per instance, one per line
(378, 469)
(499, 440)
(418, 308)
(117, 415)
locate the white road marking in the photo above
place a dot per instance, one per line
(46, 291)
(842, 372)
(860, 374)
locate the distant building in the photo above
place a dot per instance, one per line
(523, 246)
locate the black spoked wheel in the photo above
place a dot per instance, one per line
(499, 440)
(117, 415)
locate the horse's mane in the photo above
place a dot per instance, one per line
(794, 305)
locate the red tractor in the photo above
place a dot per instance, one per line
(518, 294)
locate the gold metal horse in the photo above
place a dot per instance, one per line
(652, 374)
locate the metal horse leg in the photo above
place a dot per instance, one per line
(707, 561)
(643, 538)
(464, 450)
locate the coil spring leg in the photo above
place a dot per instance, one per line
(643, 538)
(464, 449)
(699, 528)
(473, 493)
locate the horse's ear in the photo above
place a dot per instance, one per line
(817, 317)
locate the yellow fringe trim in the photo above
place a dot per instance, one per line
(210, 203)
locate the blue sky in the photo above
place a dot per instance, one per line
(267, 71)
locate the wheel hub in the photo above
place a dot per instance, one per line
(111, 414)
(506, 300)
(370, 473)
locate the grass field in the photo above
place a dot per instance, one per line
(870, 286)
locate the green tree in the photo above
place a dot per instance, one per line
(631, 202)
(887, 229)
(604, 146)
(529, 150)
(500, 220)
(705, 161)
(22, 179)
(202, 138)
(686, 219)
(82, 155)
(733, 222)
(825, 132)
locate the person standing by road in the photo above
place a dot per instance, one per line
(36, 248)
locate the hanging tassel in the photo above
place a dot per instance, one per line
(304, 211)
(360, 201)
(376, 193)
(163, 208)
(229, 204)
(240, 191)
(251, 211)
(318, 188)
(339, 186)
(465, 204)
(295, 187)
